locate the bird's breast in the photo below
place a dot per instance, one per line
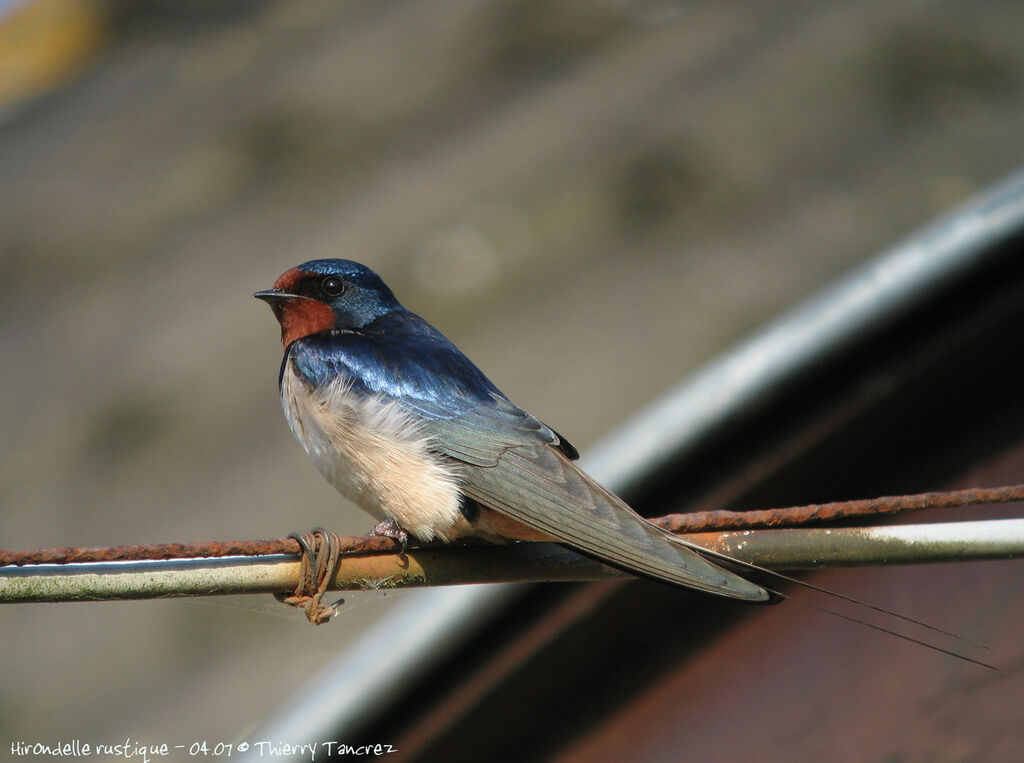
(374, 452)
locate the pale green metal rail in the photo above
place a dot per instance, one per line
(520, 563)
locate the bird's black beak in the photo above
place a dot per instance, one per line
(274, 295)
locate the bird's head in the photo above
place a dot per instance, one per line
(326, 295)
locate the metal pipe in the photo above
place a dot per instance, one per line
(518, 563)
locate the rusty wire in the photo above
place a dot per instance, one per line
(798, 516)
(707, 521)
(201, 550)
(321, 553)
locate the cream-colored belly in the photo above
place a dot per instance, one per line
(374, 454)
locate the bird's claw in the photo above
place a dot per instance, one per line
(389, 528)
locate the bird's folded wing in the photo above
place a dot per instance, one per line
(512, 466)
(480, 436)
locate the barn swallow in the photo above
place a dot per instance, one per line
(407, 427)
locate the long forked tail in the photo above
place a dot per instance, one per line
(762, 571)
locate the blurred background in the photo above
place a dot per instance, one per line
(590, 198)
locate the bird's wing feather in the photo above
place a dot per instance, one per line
(512, 465)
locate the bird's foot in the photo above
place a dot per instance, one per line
(389, 528)
(320, 556)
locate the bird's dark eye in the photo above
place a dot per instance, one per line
(332, 286)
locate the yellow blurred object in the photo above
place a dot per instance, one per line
(44, 43)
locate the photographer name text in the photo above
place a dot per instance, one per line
(145, 752)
